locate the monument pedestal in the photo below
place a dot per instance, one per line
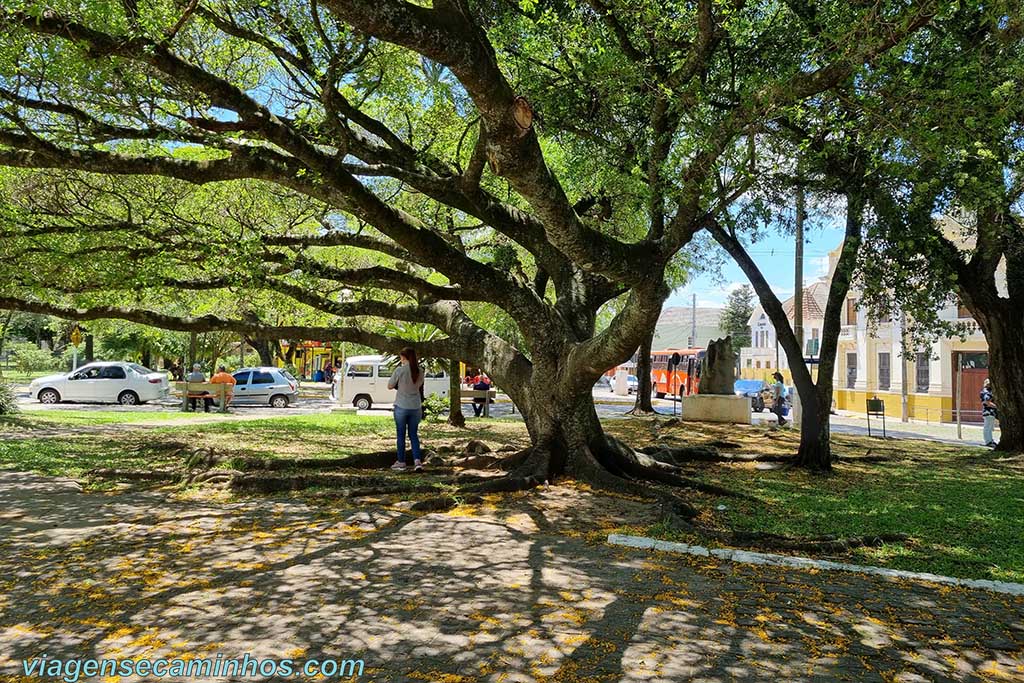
(716, 408)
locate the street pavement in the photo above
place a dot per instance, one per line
(315, 399)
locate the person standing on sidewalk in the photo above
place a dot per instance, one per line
(779, 398)
(408, 381)
(988, 413)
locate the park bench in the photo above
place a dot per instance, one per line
(489, 394)
(204, 390)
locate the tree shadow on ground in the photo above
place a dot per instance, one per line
(519, 591)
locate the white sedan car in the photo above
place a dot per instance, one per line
(124, 383)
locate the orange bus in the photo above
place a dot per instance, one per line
(682, 380)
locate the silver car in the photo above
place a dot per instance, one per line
(265, 386)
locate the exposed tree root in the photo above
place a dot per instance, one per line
(400, 489)
(213, 477)
(202, 457)
(615, 468)
(637, 411)
(134, 475)
(273, 484)
(821, 544)
(865, 458)
(643, 466)
(679, 456)
(440, 503)
(278, 464)
(510, 462)
(370, 461)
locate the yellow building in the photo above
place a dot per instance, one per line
(312, 357)
(869, 362)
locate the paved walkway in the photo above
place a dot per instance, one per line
(514, 594)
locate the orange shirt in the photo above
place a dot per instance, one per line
(224, 378)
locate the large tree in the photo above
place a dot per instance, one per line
(971, 173)
(735, 322)
(825, 151)
(582, 143)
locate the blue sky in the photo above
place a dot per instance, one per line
(775, 255)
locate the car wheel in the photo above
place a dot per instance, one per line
(278, 401)
(49, 396)
(128, 398)
(362, 402)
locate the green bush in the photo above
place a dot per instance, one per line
(30, 358)
(8, 404)
(436, 407)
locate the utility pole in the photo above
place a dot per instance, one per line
(905, 408)
(693, 323)
(798, 269)
(959, 393)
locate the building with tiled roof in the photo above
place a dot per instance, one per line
(870, 362)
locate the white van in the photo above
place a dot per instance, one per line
(364, 382)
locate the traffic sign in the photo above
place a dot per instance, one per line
(76, 336)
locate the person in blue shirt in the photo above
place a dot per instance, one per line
(988, 413)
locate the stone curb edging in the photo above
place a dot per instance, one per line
(749, 557)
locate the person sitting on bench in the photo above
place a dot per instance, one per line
(197, 377)
(482, 384)
(224, 377)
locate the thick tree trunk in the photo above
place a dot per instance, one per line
(815, 452)
(643, 376)
(293, 349)
(90, 348)
(455, 417)
(265, 349)
(567, 436)
(1006, 370)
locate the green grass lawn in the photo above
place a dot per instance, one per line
(74, 456)
(85, 418)
(961, 505)
(18, 377)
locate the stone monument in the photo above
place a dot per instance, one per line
(718, 368)
(716, 400)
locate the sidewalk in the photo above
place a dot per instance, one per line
(510, 595)
(856, 423)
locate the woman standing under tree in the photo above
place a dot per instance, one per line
(408, 380)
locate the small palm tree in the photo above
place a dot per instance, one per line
(415, 333)
(423, 332)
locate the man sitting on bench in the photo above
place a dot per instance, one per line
(482, 383)
(197, 377)
(224, 377)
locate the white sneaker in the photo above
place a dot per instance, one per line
(398, 466)
(417, 466)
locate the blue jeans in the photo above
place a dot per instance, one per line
(408, 418)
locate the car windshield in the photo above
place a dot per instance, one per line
(140, 369)
(288, 376)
